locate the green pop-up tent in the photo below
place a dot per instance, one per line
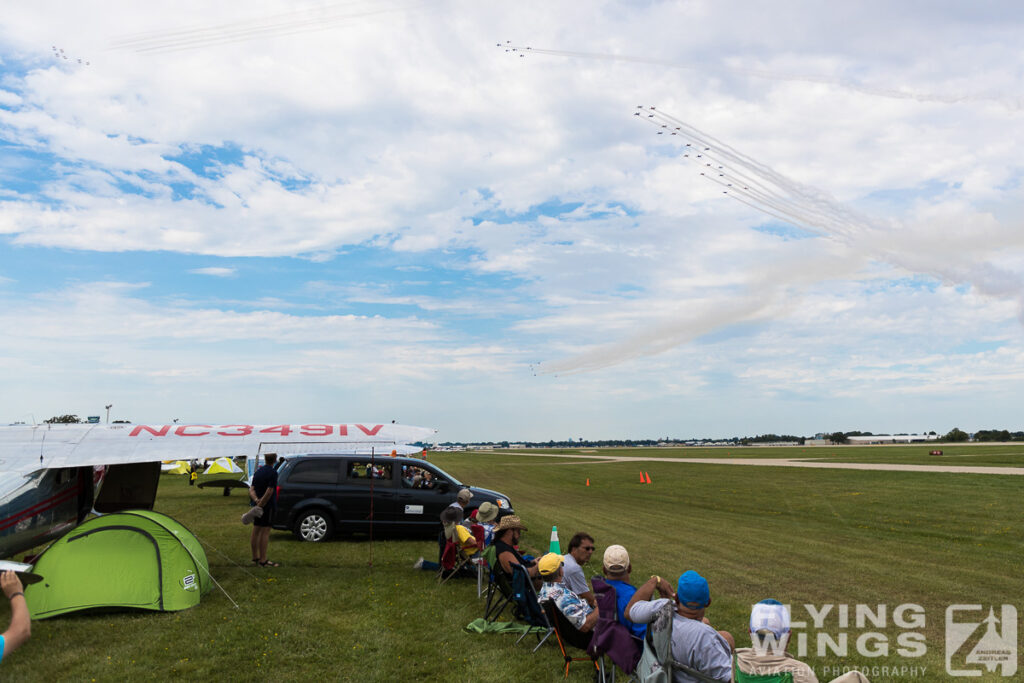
(136, 559)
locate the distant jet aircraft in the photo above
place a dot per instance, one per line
(53, 475)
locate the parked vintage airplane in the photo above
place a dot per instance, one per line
(53, 475)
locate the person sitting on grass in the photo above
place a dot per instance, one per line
(694, 642)
(21, 624)
(769, 634)
(576, 610)
(617, 569)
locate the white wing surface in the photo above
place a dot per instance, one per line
(25, 448)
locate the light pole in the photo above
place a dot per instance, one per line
(108, 407)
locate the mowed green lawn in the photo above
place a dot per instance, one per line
(799, 535)
(1004, 455)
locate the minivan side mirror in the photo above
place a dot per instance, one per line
(444, 486)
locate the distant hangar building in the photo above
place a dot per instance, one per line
(892, 438)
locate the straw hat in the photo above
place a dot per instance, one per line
(509, 522)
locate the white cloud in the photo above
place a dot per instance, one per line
(214, 271)
(405, 127)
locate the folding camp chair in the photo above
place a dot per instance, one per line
(481, 569)
(527, 608)
(611, 637)
(569, 635)
(499, 588)
(740, 677)
(694, 673)
(459, 550)
(478, 536)
(656, 660)
(484, 560)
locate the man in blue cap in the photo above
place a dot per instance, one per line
(694, 642)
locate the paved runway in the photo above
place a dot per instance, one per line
(790, 462)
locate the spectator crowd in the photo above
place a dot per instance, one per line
(664, 619)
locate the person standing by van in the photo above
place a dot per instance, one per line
(264, 492)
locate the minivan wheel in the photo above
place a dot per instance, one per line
(314, 526)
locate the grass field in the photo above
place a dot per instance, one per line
(803, 536)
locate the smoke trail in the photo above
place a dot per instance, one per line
(816, 210)
(1012, 103)
(694, 323)
(274, 25)
(761, 187)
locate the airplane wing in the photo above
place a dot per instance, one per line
(27, 448)
(24, 571)
(380, 450)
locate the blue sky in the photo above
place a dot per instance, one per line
(278, 212)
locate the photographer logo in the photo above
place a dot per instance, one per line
(976, 643)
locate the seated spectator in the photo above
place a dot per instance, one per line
(506, 542)
(581, 547)
(428, 480)
(617, 569)
(694, 642)
(457, 508)
(458, 539)
(769, 634)
(458, 531)
(21, 625)
(451, 517)
(412, 477)
(576, 610)
(461, 501)
(485, 516)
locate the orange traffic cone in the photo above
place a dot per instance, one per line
(642, 477)
(648, 477)
(588, 482)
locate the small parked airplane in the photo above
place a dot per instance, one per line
(53, 475)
